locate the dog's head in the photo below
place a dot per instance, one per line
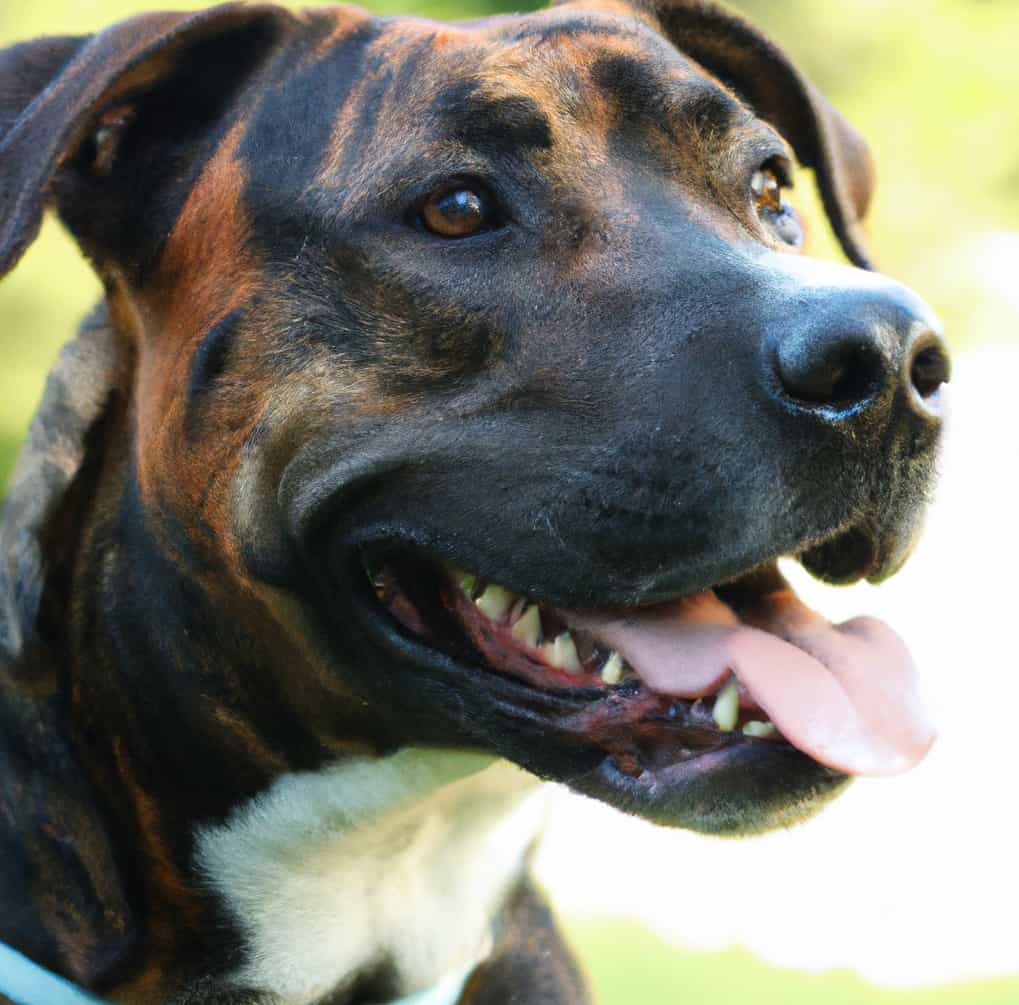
(477, 366)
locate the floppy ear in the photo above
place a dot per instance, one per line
(757, 70)
(55, 92)
(754, 67)
(102, 127)
(64, 899)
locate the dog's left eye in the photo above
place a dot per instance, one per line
(457, 212)
(767, 187)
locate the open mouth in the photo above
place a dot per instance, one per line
(744, 663)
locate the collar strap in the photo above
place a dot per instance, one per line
(27, 983)
(447, 992)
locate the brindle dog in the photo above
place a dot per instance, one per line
(455, 390)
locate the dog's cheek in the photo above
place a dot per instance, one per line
(194, 404)
(445, 350)
(409, 337)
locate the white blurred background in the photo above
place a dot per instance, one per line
(910, 880)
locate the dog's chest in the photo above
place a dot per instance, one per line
(401, 862)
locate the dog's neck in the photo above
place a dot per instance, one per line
(396, 866)
(181, 723)
(274, 828)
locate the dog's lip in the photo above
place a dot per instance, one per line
(845, 695)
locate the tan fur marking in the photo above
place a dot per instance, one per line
(348, 20)
(207, 270)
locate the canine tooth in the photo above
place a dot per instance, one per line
(612, 672)
(562, 654)
(528, 627)
(759, 729)
(467, 583)
(726, 711)
(495, 601)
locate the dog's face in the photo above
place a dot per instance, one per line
(482, 362)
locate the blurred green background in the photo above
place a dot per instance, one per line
(933, 85)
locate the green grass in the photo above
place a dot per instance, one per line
(40, 304)
(629, 965)
(8, 453)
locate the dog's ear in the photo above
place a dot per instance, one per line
(65, 900)
(756, 69)
(762, 75)
(68, 106)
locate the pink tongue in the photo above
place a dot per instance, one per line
(844, 694)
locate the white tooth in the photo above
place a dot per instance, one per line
(495, 602)
(612, 672)
(726, 711)
(467, 583)
(759, 729)
(528, 627)
(562, 654)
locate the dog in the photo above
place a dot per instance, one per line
(455, 390)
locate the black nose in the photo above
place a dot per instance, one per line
(850, 348)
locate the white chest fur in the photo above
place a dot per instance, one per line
(404, 859)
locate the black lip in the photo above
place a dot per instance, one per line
(842, 555)
(852, 555)
(372, 548)
(765, 785)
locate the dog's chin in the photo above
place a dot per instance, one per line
(731, 710)
(736, 789)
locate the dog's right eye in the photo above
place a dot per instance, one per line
(457, 212)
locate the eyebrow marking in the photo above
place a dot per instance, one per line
(480, 120)
(623, 75)
(646, 96)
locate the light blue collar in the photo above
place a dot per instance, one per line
(27, 983)
(446, 992)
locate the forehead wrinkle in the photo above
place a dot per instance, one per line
(549, 26)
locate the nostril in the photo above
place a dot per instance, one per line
(837, 371)
(929, 370)
(857, 377)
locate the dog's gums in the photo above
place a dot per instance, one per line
(707, 670)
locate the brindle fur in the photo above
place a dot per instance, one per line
(240, 180)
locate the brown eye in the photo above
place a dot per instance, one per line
(767, 187)
(456, 213)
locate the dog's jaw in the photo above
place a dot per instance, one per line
(671, 737)
(728, 663)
